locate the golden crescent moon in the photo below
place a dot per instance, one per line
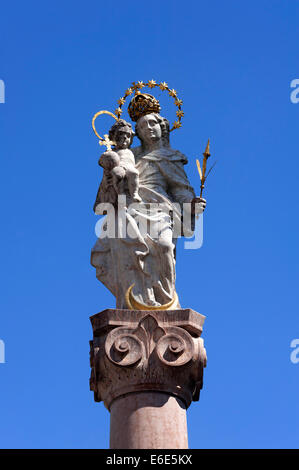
(94, 118)
(133, 304)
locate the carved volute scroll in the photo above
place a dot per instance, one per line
(137, 351)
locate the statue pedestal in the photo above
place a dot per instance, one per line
(147, 368)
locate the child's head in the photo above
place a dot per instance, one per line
(122, 134)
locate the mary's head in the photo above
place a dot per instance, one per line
(152, 129)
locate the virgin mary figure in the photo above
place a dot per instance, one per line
(138, 264)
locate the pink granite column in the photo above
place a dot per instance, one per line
(147, 368)
(148, 420)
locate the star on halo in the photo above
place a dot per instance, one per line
(177, 125)
(180, 113)
(163, 86)
(138, 85)
(172, 93)
(151, 84)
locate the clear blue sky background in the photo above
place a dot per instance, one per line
(232, 63)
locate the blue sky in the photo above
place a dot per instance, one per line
(232, 63)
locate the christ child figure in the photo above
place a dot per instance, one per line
(120, 162)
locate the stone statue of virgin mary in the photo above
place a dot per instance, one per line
(137, 263)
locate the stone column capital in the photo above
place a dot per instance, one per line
(138, 351)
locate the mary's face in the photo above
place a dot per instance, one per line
(149, 129)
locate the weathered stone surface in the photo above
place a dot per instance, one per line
(147, 351)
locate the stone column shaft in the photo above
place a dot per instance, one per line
(148, 420)
(147, 367)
